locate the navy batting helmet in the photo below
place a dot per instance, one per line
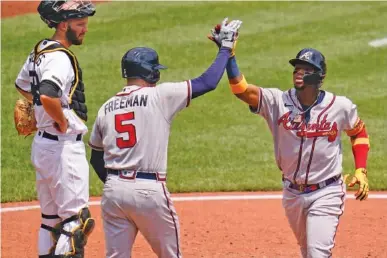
(314, 58)
(142, 63)
(54, 12)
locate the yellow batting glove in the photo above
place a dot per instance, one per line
(360, 178)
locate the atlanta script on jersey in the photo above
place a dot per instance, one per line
(307, 152)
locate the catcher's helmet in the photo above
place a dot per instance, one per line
(143, 63)
(314, 58)
(54, 12)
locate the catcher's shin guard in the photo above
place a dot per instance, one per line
(78, 234)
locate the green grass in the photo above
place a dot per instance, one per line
(216, 144)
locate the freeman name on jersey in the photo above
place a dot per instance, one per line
(126, 101)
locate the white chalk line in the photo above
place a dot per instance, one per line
(378, 42)
(198, 198)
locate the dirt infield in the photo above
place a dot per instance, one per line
(212, 229)
(222, 228)
(13, 8)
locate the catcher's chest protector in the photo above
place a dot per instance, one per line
(77, 100)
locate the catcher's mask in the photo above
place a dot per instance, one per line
(314, 58)
(142, 63)
(55, 12)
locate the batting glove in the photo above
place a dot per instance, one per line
(214, 35)
(226, 34)
(360, 178)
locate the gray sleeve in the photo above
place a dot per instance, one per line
(95, 141)
(350, 113)
(268, 103)
(173, 97)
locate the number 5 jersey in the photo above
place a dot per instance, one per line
(133, 127)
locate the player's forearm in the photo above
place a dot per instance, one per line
(239, 86)
(360, 147)
(233, 72)
(25, 94)
(53, 107)
(211, 77)
(98, 164)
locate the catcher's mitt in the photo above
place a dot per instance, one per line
(24, 116)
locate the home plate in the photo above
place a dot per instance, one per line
(378, 42)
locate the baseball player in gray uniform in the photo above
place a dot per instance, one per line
(52, 80)
(130, 143)
(307, 124)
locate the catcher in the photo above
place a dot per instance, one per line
(51, 79)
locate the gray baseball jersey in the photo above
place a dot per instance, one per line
(307, 153)
(133, 127)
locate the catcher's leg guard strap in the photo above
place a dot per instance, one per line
(45, 216)
(78, 234)
(47, 242)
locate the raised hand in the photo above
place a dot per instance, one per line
(226, 34)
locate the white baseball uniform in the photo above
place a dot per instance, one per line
(132, 128)
(62, 170)
(309, 153)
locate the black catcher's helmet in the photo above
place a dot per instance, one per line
(54, 12)
(314, 58)
(143, 63)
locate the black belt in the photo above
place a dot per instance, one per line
(313, 187)
(135, 174)
(55, 137)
